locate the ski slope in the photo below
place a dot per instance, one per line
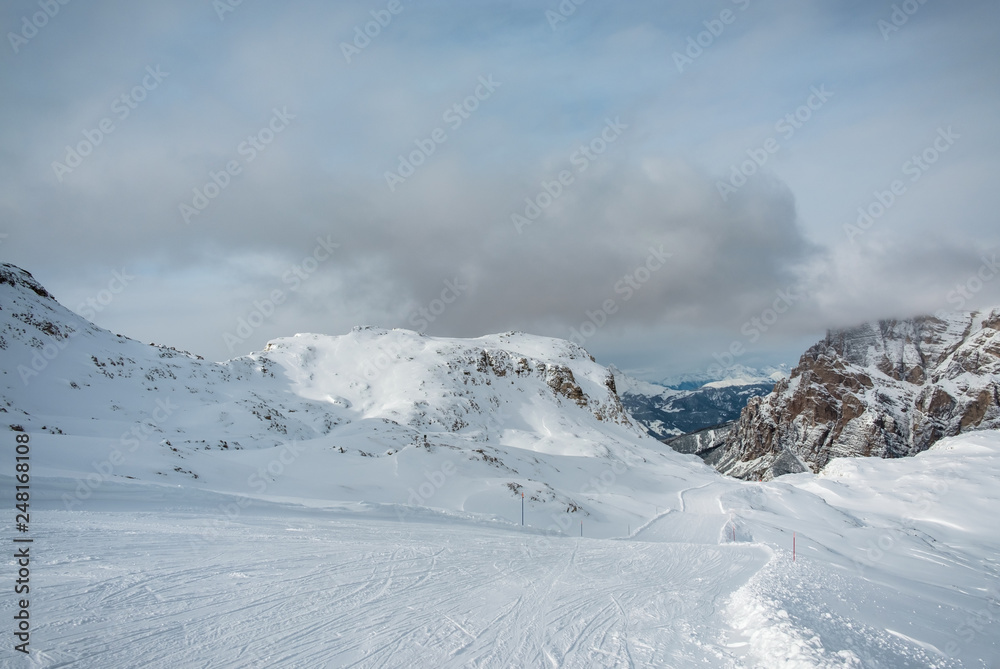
(355, 501)
(160, 576)
(287, 588)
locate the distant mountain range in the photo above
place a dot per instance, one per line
(694, 401)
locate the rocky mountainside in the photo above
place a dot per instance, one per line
(691, 405)
(58, 364)
(375, 413)
(886, 389)
(706, 443)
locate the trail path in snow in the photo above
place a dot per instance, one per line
(130, 589)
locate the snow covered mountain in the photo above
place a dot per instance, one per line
(738, 375)
(356, 501)
(887, 389)
(694, 402)
(511, 411)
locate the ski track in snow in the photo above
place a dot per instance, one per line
(174, 585)
(301, 593)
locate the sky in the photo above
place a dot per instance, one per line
(676, 185)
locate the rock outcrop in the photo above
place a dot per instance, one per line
(886, 389)
(706, 443)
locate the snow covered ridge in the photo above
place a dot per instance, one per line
(498, 403)
(887, 389)
(732, 375)
(60, 370)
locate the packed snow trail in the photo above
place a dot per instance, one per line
(158, 576)
(300, 590)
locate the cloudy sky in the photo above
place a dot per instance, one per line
(647, 177)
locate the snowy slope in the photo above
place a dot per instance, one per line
(895, 567)
(506, 414)
(356, 501)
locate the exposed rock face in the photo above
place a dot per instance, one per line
(705, 443)
(604, 404)
(887, 389)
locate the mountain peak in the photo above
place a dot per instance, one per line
(18, 278)
(511, 389)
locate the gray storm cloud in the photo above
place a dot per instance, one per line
(480, 169)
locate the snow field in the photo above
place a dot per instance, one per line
(298, 588)
(161, 576)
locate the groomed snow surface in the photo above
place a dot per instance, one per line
(897, 564)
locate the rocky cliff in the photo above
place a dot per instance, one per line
(886, 389)
(706, 443)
